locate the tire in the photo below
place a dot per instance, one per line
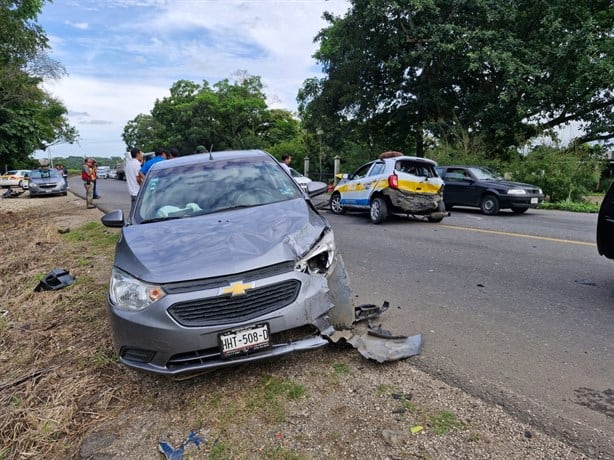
(519, 210)
(449, 207)
(489, 205)
(335, 204)
(379, 210)
(441, 208)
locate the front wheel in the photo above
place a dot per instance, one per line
(379, 210)
(335, 204)
(489, 205)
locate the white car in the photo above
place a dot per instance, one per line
(300, 179)
(102, 172)
(392, 184)
(15, 178)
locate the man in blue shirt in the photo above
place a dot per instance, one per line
(159, 156)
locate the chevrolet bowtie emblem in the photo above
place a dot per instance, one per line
(237, 288)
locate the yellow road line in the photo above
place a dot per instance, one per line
(519, 235)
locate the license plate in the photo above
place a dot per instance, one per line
(533, 200)
(244, 340)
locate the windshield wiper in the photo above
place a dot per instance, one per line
(159, 219)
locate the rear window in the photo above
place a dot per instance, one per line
(416, 168)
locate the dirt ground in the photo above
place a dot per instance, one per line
(63, 393)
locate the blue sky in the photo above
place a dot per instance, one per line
(122, 55)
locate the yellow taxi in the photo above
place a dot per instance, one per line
(392, 184)
(15, 178)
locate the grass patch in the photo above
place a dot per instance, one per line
(443, 422)
(571, 206)
(271, 396)
(385, 389)
(94, 235)
(341, 368)
(279, 453)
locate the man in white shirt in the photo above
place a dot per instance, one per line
(134, 177)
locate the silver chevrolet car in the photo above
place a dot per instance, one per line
(223, 261)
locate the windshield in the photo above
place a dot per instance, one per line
(212, 186)
(485, 174)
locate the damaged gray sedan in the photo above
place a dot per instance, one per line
(223, 260)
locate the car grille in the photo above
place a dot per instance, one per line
(230, 309)
(220, 281)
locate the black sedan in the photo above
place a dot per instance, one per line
(480, 187)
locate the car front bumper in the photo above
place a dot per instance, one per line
(153, 340)
(519, 201)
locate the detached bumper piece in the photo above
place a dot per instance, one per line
(57, 278)
(378, 344)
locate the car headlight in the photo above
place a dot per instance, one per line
(128, 293)
(319, 259)
(516, 191)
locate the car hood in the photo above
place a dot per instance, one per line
(510, 184)
(219, 244)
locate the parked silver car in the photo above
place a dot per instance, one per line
(223, 261)
(46, 181)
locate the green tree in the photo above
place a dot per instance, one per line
(502, 72)
(226, 115)
(30, 119)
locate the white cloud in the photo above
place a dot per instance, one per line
(123, 54)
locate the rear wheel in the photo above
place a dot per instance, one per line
(379, 210)
(519, 210)
(440, 208)
(489, 205)
(335, 204)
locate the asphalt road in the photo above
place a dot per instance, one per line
(516, 309)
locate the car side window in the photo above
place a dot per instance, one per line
(361, 172)
(455, 175)
(377, 169)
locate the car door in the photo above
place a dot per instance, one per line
(354, 192)
(459, 188)
(605, 225)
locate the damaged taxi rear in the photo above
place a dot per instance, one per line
(222, 261)
(392, 184)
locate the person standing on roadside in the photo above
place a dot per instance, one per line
(159, 156)
(87, 175)
(95, 176)
(134, 177)
(286, 159)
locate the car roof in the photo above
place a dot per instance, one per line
(212, 156)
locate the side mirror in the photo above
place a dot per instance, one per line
(113, 219)
(315, 188)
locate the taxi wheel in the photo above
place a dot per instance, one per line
(379, 210)
(335, 204)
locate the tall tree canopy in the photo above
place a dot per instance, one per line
(30, 119)
(226, 115)
(501, 71)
